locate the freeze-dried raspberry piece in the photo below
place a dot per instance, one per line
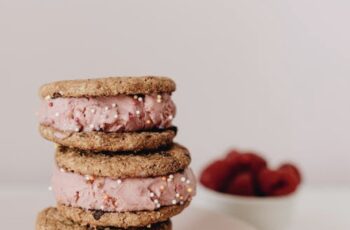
(277, 182)
(216, 175)
(242, 184)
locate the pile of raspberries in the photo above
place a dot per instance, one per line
(247, 174)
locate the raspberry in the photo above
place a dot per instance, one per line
(243, 162)
(242, 184)
(253, 162)
(277, 182)
(216, 175)
(247, 174)
(292, 169)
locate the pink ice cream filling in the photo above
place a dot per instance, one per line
(114, 195)
(109, 114)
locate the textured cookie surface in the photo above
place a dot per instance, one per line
(124, 165)
(109, 86)
(52, 219)
(100, 141)
(120, 219)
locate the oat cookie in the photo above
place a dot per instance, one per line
(52, 219)
(120, 219)
(100, 141)
(109, 86)
(124, 164)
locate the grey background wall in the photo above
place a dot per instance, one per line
(266, 75)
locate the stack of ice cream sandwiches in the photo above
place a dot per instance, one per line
(116, 165)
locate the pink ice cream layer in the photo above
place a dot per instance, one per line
(109, 114)
(134, 194)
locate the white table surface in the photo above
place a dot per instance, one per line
(321, 208)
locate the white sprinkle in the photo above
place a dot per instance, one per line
(62, 170)
(49, 188)
(174, 201)
(156, 201)
(183, 179)
(161, 187)
(77, 129)
(138, 112)
(115, 116)
(177, 195)
(151, 194)
(106, 108)
(119, 181)
(149, 226)
(171, 117)
(102, 207)
(57, 114)
(140, 99)
(93, 110)
(114, 105)
(48, 97)
(135, 97)
(170, 178)
(158, 205)
(188, 181)
(87, 177)
(92, 126)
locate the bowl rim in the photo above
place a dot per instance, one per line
(232, 197)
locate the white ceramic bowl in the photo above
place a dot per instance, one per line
(265, 213)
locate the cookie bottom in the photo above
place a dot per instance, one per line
(52, 219)
(120, 219)
(101, 141)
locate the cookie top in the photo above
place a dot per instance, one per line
(120, 219)
(124, 164)
(109, 86)
(52, 219)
